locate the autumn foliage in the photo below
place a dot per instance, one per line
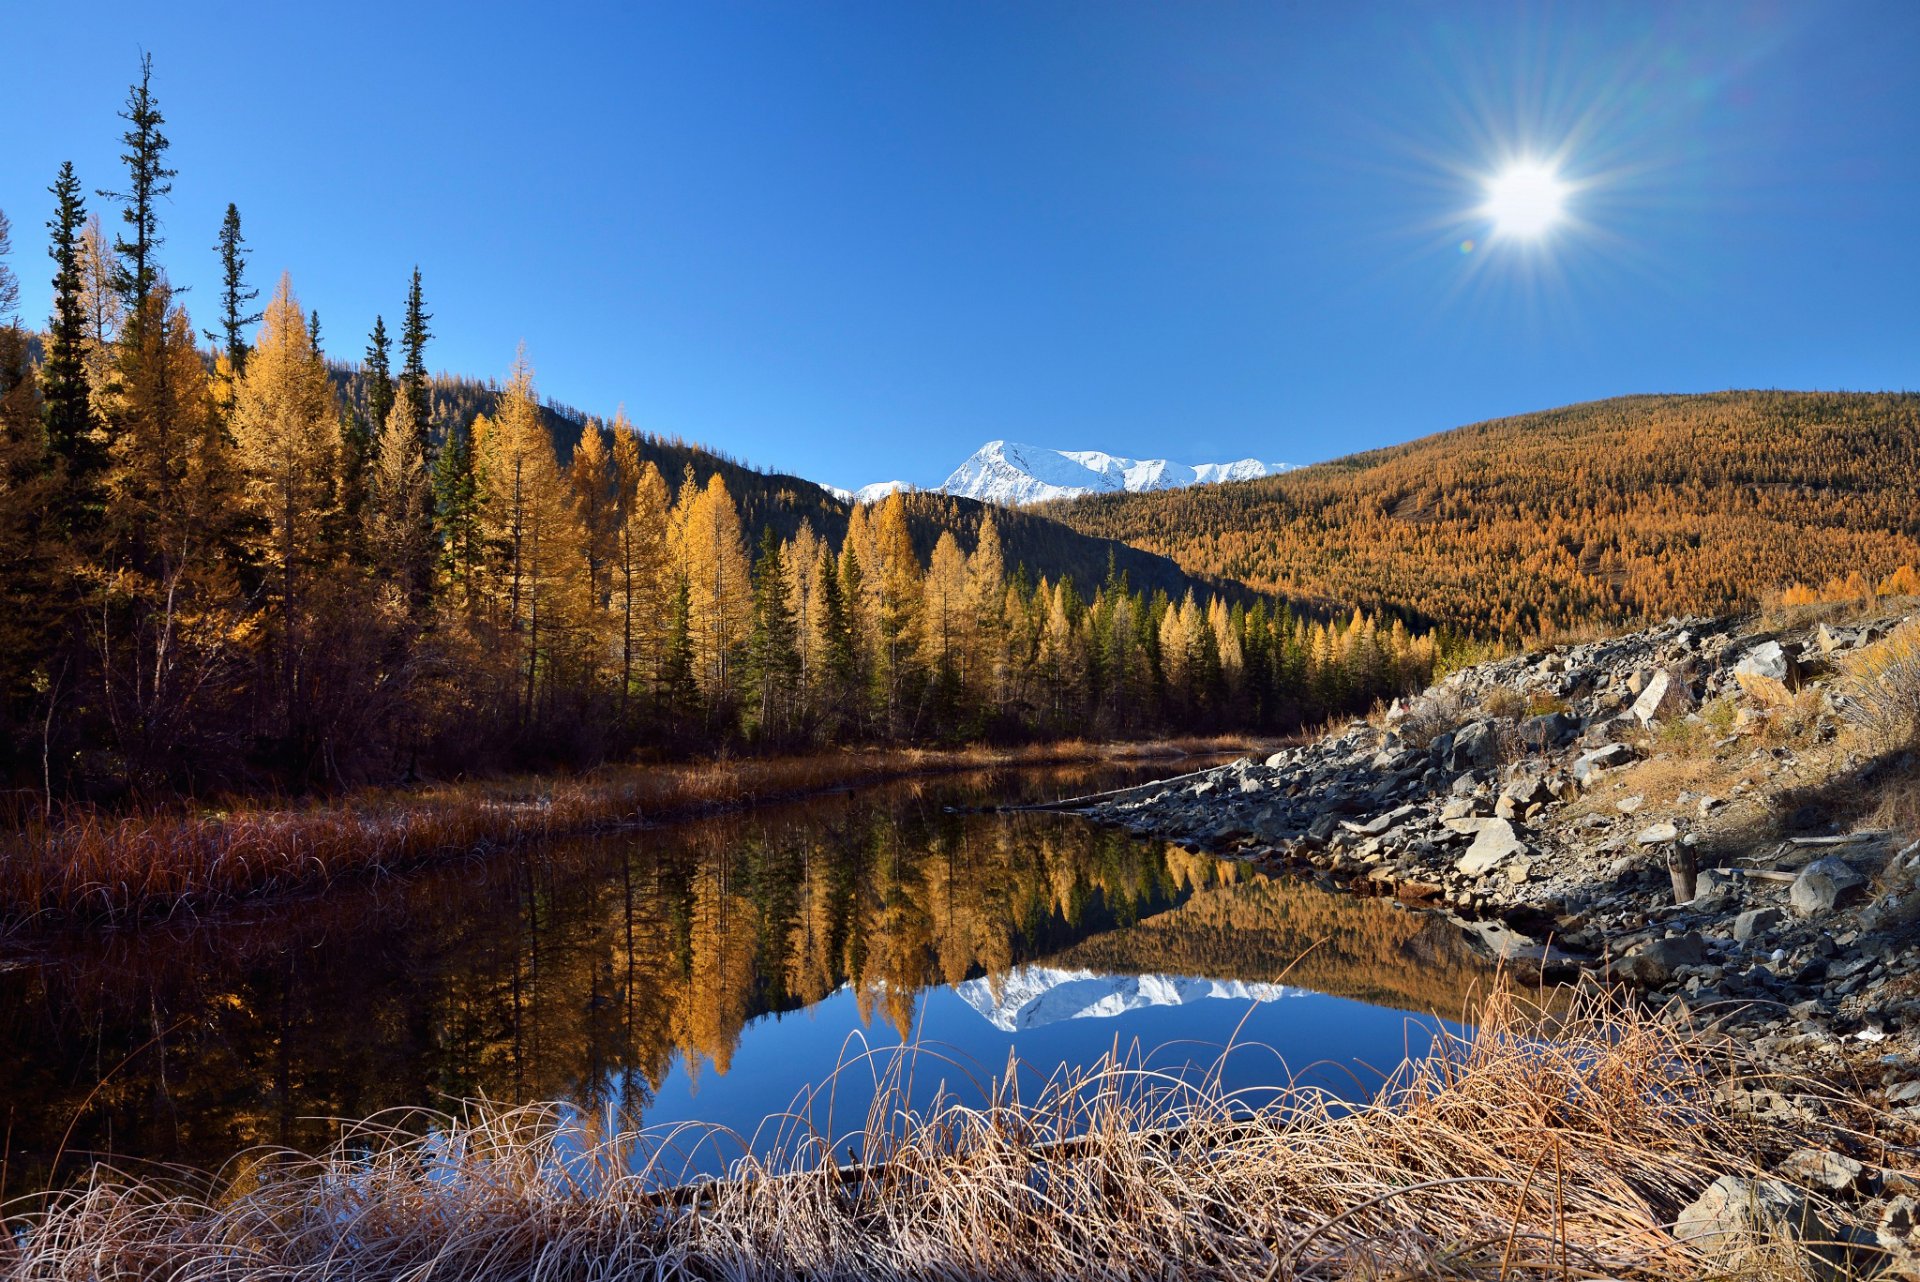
(1607, 512)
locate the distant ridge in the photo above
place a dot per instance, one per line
(1603, 513)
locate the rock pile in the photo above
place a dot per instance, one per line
(1515, 796)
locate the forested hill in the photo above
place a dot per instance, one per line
(1636, 507)
(1044, 546)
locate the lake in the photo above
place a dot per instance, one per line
(712, 971)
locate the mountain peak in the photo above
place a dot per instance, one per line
(1012, 473)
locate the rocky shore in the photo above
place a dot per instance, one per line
(1697, 811)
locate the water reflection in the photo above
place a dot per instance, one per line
(632, 975)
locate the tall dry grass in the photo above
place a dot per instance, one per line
(1517, 1152)
(96, 866)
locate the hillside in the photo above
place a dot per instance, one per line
(1044, 546)
(1607, 512)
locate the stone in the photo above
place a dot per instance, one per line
(1665, 696)
(1658, 834)
(1828, 1172)
(1654, 962)
(1474, 744)
(1548, 731)
(1714, 887)
(1378, 824)
(1824, 885)
(1629, 805)
(1494, 844)
(1897, 1232)
(1738, 1222)
(1757, 923)
(1589, 766)
(1768, 673)
(1460, 808)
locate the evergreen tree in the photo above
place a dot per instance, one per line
(773, 653)
(64, 387)
(234, 294)
(378, 370)
(456, 509)
(679, 692)
(148, 182)
(413, 359)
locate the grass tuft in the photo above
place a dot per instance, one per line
(1518, 1151)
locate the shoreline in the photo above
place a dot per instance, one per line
(105, 871)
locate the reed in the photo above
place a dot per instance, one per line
(93, 866)
(1518, 1151)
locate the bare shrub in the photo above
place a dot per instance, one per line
(1883, 686)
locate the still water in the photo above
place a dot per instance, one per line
(713, 971)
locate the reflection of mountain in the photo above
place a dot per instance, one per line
(1032, 996)
(1262, 929)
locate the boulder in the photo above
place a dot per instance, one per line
(1548, 731)
(1898, 1234)
(1738, 1223)
(1834, 1174)
(1824, 885)
(1716, 887)
(1757, 923)
(1474, 744)
(1654, 962)
(1494, 843)
(1768, 673)
(1658, 834)
(1589, 766)
(1665, 695)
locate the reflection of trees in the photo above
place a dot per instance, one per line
(1256, 928)
(587, 970)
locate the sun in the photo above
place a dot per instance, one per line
(1525, 200)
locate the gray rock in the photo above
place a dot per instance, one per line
(1757, 923)
(1828, 1172)
(1658, 834)
(1548, 731)
(1714, 887)
(1665, 695)
(1737, 1221)
(1494, 844)
(1474, 744)
(1823, 885)
(1589, 766)
(1898, 1234)
(1654, 962)
(1768, 673)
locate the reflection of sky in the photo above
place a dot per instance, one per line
(1330, 1044)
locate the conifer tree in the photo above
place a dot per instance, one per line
(26, 488)
(234, 294)
(399, 508)
(710, 553)
(103, 308)
(839, 651)
(679, 692)
(413, 359)
(773, 654)
(456, 507)
(64, 390)
(639, 580)
(378, 372)
(288, 441)
(148, 182)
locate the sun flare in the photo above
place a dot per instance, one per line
(1525, 200)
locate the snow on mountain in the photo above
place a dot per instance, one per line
(1010, 473)
(1031, 996)
(878, 490)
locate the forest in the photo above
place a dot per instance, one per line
(1594, 515)
(233, 565)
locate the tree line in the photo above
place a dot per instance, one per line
(221, 572)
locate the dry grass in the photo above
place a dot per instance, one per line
(1511, 1154)
(93, 866)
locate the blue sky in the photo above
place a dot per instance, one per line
(856, 240)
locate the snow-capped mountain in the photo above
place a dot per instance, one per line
(867, 493)
(1011, 473)
(1030, 996)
